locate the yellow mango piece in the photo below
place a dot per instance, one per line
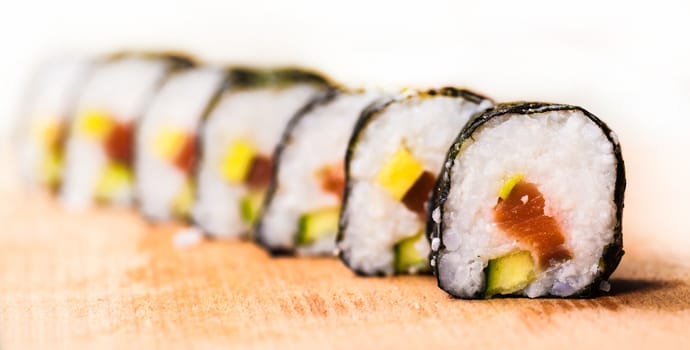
(399, 173)
(50, 169)
(169, 142)
(183, 201)
(115, 177)
(508, 186)
(46, 132)
(509, 273)
(237, 161)
(94, 124)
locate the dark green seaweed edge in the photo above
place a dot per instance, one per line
(176, 62)
(20, 129)
(369, 114)
(178, 59)
(320, 100)
(211, 101)
(241, 78)
(611, 254)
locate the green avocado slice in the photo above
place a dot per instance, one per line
(250, 206)
(316, 225)
(509, 273)
(407, 258)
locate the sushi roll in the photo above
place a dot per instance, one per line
(529, 203)
(237, 142)
(45, 117)
(99, 150)
(302, 206)
(393, 158)
(166, 142)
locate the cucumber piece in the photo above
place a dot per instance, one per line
(509, 273)
(50, 169)
(183, 200)
(399, 173)
(250, 206)
(114, 178)
(316, 225)
(407, 258)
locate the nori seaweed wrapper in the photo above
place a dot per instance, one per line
(243, 77)
(248, 77)
(611, 254)
(21, 128)
(227, 79)
(239, 78)
(319, 100)
(177, 62)
(368, 115)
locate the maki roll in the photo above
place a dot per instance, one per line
(237, 143)
(49, 103)
(166, 142)
(99, 150)
(393, 158)
(302, 206)
(529, 203)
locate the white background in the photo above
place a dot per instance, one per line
(627, 62)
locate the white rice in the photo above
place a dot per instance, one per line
(50, 99)
(187, 237)
(570, 160)
(256, 114)
(319, 139)
(123, 88)
(375, 220)
(180, 104)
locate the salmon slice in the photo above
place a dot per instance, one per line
(416, 197)
(187, 155)
(521, 216)
(119, 143)
(332, 179)
(260, 172)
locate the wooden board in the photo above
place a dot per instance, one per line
(107, 279)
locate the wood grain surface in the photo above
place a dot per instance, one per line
(107, 279)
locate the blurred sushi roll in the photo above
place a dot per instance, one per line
(529, 203)
(166, 142)
(393, 158)
(237, 143)
(45, 117)
(99, 153)
(303, 203)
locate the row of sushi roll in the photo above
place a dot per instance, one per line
(521, 199)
